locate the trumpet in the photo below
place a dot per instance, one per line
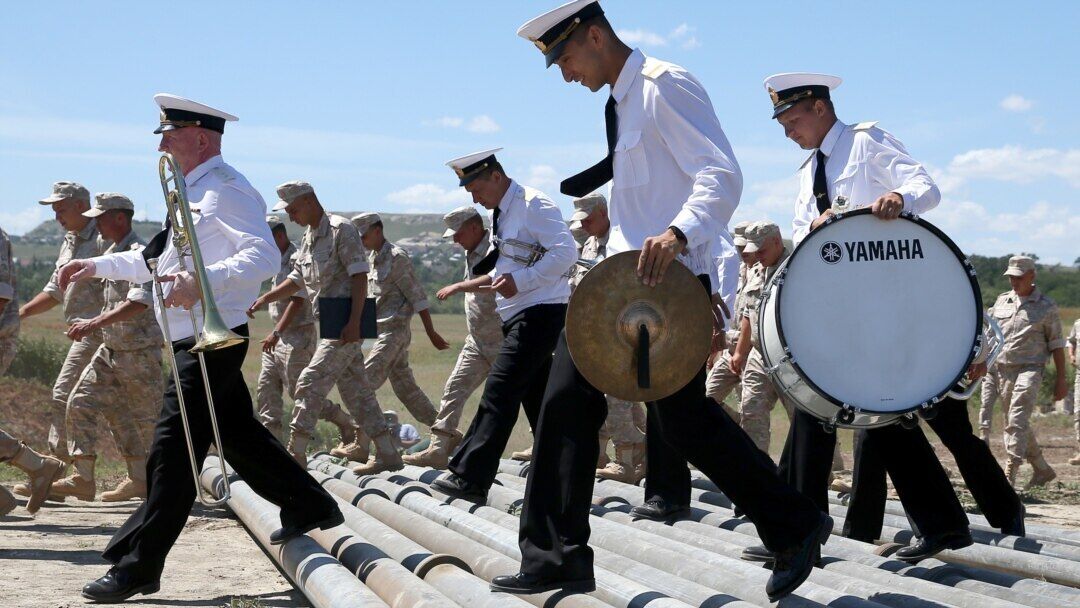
(215, 334)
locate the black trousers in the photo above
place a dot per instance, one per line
(806, 461)
(519, 375)
(917, 475)
(667, 475)
(554, 532)
(141, 544)
(981, 472)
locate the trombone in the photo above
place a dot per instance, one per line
(215, 334)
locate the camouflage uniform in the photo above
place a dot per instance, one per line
(721, 379)
(478, 354)
(758, 394)
(1074, 340)
(398, 295)
(123, 381)
(82, 301)
(292, 353)
(329, 255)
(9, 316)
(1032, 330)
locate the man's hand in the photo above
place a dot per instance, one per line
(437, 341)
(657, 253)
(257, 305)
(888, 207)
(351, 332)
(976, 371)
(447, 291)
(81, 329)
(184, 292)
(715, 348)
(504, 285)
(1061, 387)
(75, 271)
(821, 219)
(738, 361)
(269, 342)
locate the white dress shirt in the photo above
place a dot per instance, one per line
(529, 216)
(234, 239)
(673, 164)
(726, 276)
(862, 163)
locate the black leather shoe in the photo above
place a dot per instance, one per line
(658, 509)
(286, 533)
(929, 546)
(528, 584)
(758, 553)
(118, 585)
(459, 487)
(1016, 526)
(792, 566)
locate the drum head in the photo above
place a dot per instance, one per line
(880, 315)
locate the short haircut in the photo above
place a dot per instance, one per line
(377, 224)
(486, 173)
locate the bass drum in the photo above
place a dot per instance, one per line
(869, 320)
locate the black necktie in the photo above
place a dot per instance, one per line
(485, 265)
(821, 185)
(602, 172)
(157, 244)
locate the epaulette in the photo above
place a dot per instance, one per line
(654, 68)
(136, 246)
(864, 126)
(337, 220)
(223, 173)
(529, 193)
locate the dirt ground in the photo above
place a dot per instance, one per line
(46, 560)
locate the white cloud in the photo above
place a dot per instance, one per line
(483, 124)
(1016, 103)
(427, 198)
(691, 43)
(683, 34)
(1046, 229)
(1018, 164)
(640, 36)
(449, 122)
(544, 178)
(25, 219)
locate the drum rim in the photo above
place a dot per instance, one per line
(972, 279)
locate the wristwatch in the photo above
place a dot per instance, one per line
(679, 235)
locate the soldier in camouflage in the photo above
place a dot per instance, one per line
(591, 215)
(83, 301)
(123, 383)
(398, 295)
(466, 227)
(1032, 329)
(721, 379)
(330, 267)
(1074, 356)
(288, 349)
(9, 315)
(41, 469)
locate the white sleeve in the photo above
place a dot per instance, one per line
(896, 171)
(122, 266)
(545, 222)
(255, 258)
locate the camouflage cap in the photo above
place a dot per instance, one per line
(456, 218)
(584, 206)
(1019, 265)
(107, 201)
(290, 191)
(757, 233)
(738, 234)
(65, 190)
(363, 221)
(274, 221)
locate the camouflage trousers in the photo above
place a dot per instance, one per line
(721, 381)
(1018, 388)
(470, 372)
(335, 362)
(9, 446)
(1076, 405)
(9, 346)
(621, 425)
(78, 357)
(758, 399)
(389, 360)
(126, 388)
(279, 375)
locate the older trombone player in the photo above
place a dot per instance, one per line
(239, 255)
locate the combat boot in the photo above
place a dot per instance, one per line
(985, 435)
(42, 471)
(298, 443)
(524, 455)
(7, 501)
(1042, 474)
(386, 456)
(81, 484)
(344, 422)
(1012, 469)
(436, 456)
(354, 450)
(1075, 460)
(134, 486)
(622, 468)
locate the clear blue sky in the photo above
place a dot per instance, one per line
(368, 101)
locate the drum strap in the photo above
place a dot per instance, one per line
(821, 185)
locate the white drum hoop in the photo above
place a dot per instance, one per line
(847, 415)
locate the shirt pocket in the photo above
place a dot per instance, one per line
(630, 164)
(306, 264)
(846, 186)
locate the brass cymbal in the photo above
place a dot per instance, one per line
(604, 324)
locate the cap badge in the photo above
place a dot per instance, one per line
(773, 96)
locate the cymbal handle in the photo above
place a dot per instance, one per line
(643, 357)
